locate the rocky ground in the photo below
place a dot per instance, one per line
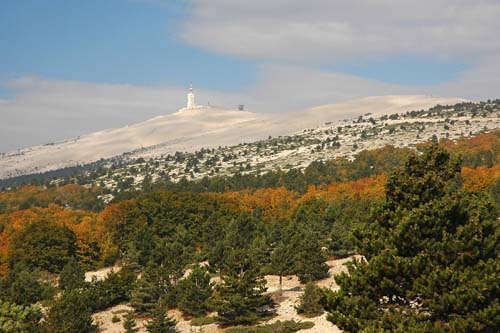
(286, 301)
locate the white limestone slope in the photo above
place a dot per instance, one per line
(192, 129)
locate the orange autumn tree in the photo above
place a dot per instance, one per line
(368, 188)
(70, 195)
(481, 150)
(275, 202)
(480, 178)
(81, 223)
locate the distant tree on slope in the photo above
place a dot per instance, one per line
(161, 323)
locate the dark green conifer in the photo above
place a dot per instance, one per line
(129, 323)
(24, 286)
(161, 323)
(282, 259)
(310, 260)
(72, 276)
(194, 292)
(310, 301)
(240, 298)
(69, 314)
(153, 285)
(432, 257)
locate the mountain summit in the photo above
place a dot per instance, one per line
(195, 127)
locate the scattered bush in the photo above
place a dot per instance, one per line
(202, 321)
(288, 326)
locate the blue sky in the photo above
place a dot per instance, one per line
(109, 41)
(135, 42)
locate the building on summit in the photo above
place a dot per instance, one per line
(190, 98)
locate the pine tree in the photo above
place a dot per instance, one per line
(310, 260)
(129, 323)
(69, 314)
(310, 301)
(282, 259)
(19, 318)
(23, 286)
(432, 257)
(72, 276)
(160, 323)
(194, 291)
(240, 298)
(153, 285)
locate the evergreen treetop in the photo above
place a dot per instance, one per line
(432, 255)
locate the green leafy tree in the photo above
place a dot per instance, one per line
(161, 323)
(44, 245)
(432, 257)
(24, 286)
(72, 276)
(194, 292)
(19, 318)
(69, 314)
(129, 323)
(310, 301)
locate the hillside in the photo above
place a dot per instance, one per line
(294, 225)
(338, 139)
(191, 130)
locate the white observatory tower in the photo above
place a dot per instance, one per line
(190, 98)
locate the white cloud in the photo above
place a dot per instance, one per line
(48, 110)
(331, 30)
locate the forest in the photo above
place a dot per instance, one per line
(425, 222)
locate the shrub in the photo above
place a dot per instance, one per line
(112, 290)
(18, 318)
(288, 326)
(310, 305)
(202, 321)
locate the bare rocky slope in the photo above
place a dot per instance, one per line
(190, 130)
